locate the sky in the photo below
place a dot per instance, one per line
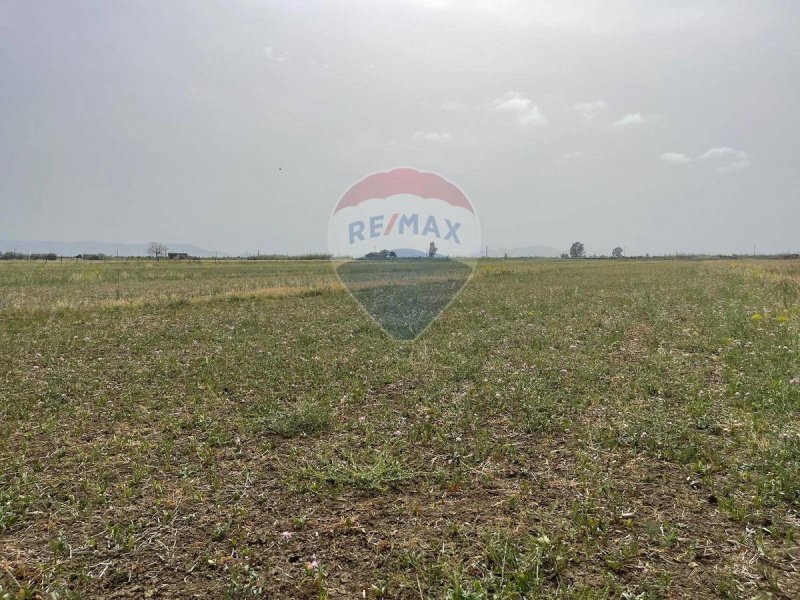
(659, 127)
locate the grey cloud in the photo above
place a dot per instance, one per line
(273, 54)
(236, 125)
(433, 136)
(453, 105)
(591, 109)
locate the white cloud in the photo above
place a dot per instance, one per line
(590, 109)
(433, 136)
(513, 101)
(573, 154)
(273, 54)
(675, 158)
(533, 117)
(720, 152)
(523, 107)
(728, 159)
(630, 119)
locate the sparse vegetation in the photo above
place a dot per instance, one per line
(566, 429)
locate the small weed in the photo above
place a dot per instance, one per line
(304, 418)
(376, 473)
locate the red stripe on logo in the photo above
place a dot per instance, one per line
(391, 224)
(404, 181)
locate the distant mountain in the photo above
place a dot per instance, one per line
(533, 251)
(111, 249)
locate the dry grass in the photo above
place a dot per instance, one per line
(567, 429)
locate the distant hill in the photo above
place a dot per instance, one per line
(111, 249)
(410, 253)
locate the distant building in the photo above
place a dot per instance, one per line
(178, 255)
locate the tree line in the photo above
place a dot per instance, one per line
(577, 250)
(22, 256)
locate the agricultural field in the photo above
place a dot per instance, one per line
(566, 429)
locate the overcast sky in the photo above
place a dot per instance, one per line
(236, 125)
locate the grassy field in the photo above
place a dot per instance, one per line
(567, 429)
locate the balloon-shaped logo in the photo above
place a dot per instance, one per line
(405, 243)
